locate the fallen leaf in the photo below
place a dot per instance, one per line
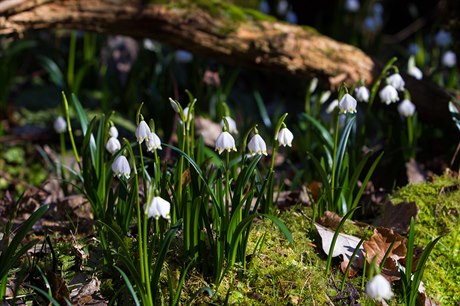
(377, 246)
(345, 245)
(397, 217)
(414, 173)
(330, 220)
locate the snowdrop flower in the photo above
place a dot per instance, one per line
(406, 108)
(153, 142)
(347, 104)
(396, 81)
(352, 6)
(159, 207)
(186, 110)
(332, 106)
(142, 131)
(388, 95)
(324, 96)
(443, 38)
(449, 59)
(113, 145)
(379, 288)
(415, 72)
(113, 132)
(313, 84)
(120, 167)
(257, 145)
(285, 137)
(225, 141)
(60, 125)
(231, 124)
(362, 94)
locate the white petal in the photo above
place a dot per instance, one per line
(142, 131)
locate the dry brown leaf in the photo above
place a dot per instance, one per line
(397, 217)
(414, 172)
(330, 219)
(208, 129)
(377, 246)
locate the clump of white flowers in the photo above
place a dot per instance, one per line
(60, 125)
(379, 288)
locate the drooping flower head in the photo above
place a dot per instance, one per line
(113, 145)
(142, 131)
(388, 94)
(257, 145)
(396, 81)
(379, 288)
(347, 104)
(60, 125)
(443, 38)
(159, 207)
(113, 132)
(406, 108)
(332, 106)
(231, 124)
(352, 6)
(225, 142)
(362, 94)
(153, 142)
(120, 167)
(285, 137)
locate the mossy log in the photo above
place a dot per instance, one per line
(224, 32)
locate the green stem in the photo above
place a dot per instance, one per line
(69, 127)
(334, 161)
(63, 150)
(227, 188)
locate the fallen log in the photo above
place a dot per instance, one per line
(224, 32)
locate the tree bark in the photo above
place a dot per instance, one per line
(239, 37)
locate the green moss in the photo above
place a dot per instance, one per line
(439, 204)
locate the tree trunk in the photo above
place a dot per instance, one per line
(225, 32)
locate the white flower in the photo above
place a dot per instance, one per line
(332, 106)
(415, 72)
(60, 125)
(388, 95)
(185, 111)
(449, 59)
(257, 145)
(396, 81)
(313, 84)
(225, 141)
(443, 38)
(285, 137)
(352, 5)
(120, 167)
(325, 95)
(282, 7)
(362, 94)
(231, 124)
(406, 108)
(378, 287)
(113, 132)
(153, 142)
(159, 207)
(347, 104)
(142, 131)
(113, 145)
